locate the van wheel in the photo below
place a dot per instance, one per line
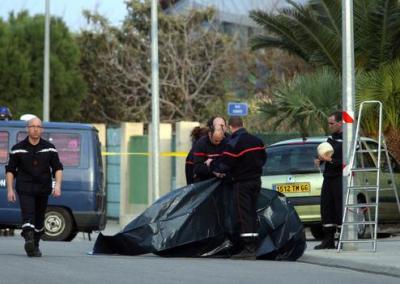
(317, 232)
(58, 225)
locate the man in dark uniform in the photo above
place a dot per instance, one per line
(331, 193)
(206, 150)
(30, 163)
(242, 162)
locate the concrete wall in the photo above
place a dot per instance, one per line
(127, 210)
(165, 160)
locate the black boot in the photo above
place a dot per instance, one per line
(329, 239)
(249, 249)
(36, 251)
(28, 235)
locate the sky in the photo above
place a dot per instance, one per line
(69, 10)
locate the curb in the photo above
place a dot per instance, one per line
(352, 265)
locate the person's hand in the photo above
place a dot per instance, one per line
(326, 158)
(219, 175)
(11, 196)
(317, 162)
(56, 191)
(208, 162)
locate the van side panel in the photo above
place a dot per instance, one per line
(10, 213)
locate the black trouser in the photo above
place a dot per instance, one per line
(332, 201)
(245, 197)
(33, 208)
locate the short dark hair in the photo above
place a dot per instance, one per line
(235, 121)
(198, 132)
(337, 114)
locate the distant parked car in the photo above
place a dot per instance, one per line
(290, 170)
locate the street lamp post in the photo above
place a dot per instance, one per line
(155, 113)
(46, 79)
(348, 106)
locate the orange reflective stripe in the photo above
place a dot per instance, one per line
(243, 152)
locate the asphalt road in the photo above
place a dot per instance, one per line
(69, 263)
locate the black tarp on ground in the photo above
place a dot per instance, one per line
(196, 221)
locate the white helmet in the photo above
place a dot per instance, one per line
(27, 117)
(325, 149)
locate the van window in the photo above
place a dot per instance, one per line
(68, 147)
(4, 140)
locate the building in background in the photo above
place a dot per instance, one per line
(232, 16)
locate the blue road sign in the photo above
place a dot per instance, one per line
(237, 109)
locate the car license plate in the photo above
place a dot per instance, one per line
(292, 187)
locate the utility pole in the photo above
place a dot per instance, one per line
(155, 108)
(348, 106)
(46, 74)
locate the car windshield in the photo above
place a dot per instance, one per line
(291, 159)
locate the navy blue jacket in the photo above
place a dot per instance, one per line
(203, 150)
(243, 157)
(335, 167)
(31, 164)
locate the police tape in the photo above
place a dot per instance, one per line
(163, 154)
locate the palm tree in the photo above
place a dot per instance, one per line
(305, 102)
(313, 32)
(383, 85)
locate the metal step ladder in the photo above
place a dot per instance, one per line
(359, 166)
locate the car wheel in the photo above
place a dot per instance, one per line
(361, 216)
(58, 225)
(317, 232)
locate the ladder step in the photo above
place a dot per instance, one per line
(386, 188)
(359, 223)
(364, 169)
(361, 205)
(357, 241)
(369, 151)
(369, 188)
(366, 188)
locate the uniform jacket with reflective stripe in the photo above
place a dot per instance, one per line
(203, 150)
(243, 157)
(31, 165)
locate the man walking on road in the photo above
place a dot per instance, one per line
(242, 162)
(30, 163)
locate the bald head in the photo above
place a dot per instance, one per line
(34, 121)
